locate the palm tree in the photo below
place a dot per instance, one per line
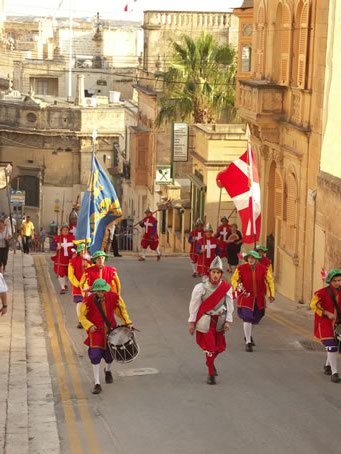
(200, 84)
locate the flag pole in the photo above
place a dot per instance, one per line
(251, 186)
(219, 205)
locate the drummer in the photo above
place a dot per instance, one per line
(97, 327)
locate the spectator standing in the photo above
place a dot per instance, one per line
(5, 238)
(234, 243)
(42, 238)
(27, 233)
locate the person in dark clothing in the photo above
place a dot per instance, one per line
(234, 243)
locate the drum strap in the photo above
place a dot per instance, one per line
(331, 294)
(101, 311)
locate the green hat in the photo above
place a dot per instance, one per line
(100, 285)
(262, 248)
(332, 274)
(80, 248)
(99, 254)
(252, 254)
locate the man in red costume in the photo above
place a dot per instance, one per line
(326, 304)
(100, 271)
(207, 249)
(91, 319)
(77, 266)
(150, 237)
(252, 281)
(210, 312)
(195, 235)
(264, 260)
(222, 234)
(65, 250)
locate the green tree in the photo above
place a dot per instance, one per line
(200, 84)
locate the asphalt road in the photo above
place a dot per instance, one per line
(275, 400)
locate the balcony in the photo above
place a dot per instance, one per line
(261, 101)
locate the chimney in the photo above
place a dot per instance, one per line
(80, 90)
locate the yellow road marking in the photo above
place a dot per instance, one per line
(89, 429)
(69, 415)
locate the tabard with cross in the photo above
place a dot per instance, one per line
(224, 233)
(64, 254)
(149, 224)
(207, 249)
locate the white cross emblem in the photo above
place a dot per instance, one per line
(65, 245)
(224, 232)
(199, 236)
(209, 246)
(147, 224)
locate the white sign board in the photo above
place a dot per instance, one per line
(180, 142)
(164, 174)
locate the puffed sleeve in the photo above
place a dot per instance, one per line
(82, 311)
(195, 302)
(229, 305)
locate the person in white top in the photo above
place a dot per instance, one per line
(3, 295)
(210, 315)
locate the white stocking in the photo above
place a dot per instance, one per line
(107, 366)
(157, 251)
(61, 281)
(247, 331)
(78, 305)
(332, 358)
(194, 267)
(96, 373)
(144, 252)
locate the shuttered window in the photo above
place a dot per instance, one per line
(260, 28)
(291, 213)
(303, 22)
(285, 33)
(278, 195)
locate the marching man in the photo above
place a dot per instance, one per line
(210, 315)
(207, 249)
(326, 304)
(193, 237)
(252, 281)
(77, 266)
(150, 237)
(222, 234)
(64, 252)
(100, 300)
(264, 260)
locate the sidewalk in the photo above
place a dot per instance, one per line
(27, 415)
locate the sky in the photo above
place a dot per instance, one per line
(112, 9)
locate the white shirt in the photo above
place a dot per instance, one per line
(197, 298)
(3, 286)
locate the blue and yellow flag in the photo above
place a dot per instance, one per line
(100, 207)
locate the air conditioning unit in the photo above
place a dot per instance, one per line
(89, 102)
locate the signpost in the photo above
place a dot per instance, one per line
(164, 174)
(180, 142)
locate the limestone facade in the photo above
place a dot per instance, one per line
(327, 241)
(49, 146)
(283, 104)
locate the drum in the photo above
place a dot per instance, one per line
(122, 344)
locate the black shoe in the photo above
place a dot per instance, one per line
(215, 372)
(327, 370)
(118, 255)
(335, 378)
(108, 376)
(252, 341)
(248, 347)
(79, 326)
(97, 389)
(211, 380)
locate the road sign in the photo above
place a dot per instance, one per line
(164, 174)
(17, 198)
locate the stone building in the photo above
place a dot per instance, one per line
(327, 241)
(151, 147)
(50, 145)
(283, 104)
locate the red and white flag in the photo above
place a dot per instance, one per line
(241, 181)
(130, 6)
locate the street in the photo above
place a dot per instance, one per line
(273, 400)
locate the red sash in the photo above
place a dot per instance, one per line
(213, 299)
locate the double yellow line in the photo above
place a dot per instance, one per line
(84, 430)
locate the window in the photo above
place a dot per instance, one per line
(30, 185)
(283, 30)
(44, 85)
(301, 44)
(291, 212)
(278, 195)
(246, 59)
